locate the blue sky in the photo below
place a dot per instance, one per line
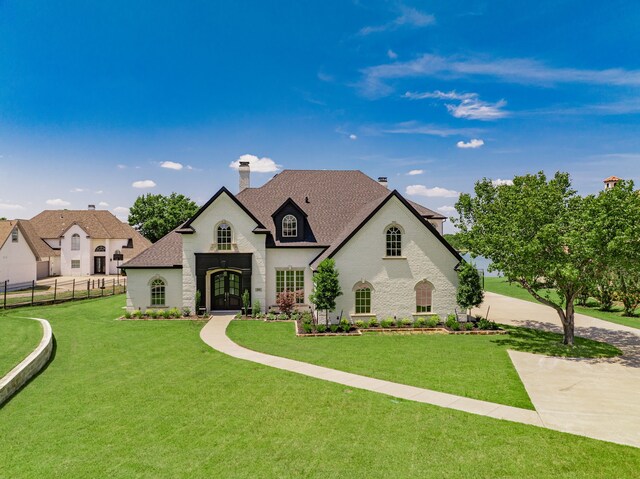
(103, 101)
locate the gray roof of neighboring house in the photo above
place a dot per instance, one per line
(335, 203)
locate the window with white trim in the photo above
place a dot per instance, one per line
(291, 280)
(363, 298)
(100, 249)
(289, 226)
(394, 241)
(157, 292)
(75, 264)
(223, 237)
(75, 242)
(424, 297)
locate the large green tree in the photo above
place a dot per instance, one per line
(615, 215)
(537, 233)
(156, 215)
(326, 286)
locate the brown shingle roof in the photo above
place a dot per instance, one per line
(165, 253)
(611, 178)
(37, 245)
(335, 198)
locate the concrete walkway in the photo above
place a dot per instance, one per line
(599, 398)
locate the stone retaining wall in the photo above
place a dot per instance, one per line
(30, 366)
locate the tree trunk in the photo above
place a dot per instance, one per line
(568, 323)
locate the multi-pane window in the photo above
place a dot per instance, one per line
(291, 280)
(224, 237)
(75, 242)
(424, 292)
(100, 249)
(363, 300)
(289, 226)
(75, 263)
(157, 292)
(394, 242)
(14, 235)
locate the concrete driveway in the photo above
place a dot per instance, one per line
(600, 397)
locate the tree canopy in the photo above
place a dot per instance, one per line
(156, 215)
(470, 293)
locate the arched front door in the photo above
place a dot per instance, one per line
(226, 287)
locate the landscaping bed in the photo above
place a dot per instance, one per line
(174, 314)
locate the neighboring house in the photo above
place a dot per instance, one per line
(68, 243)
(610, 182)
(391, 256)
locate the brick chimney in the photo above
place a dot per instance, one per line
(383, 181)
(245, 175)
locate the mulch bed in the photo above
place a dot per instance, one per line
(439, 330)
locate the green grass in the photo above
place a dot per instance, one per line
(18, 338)
(478, 367)
(502, 286)
(148, 399)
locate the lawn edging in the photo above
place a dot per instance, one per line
(30, 366)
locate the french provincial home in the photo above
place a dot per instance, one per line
(390, 252)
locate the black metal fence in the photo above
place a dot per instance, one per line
(33, 294)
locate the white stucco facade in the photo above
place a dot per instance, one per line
(17, 261)
(393, 280)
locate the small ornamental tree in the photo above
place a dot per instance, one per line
(286, 301)
(470, 292)
(246, 301)
(326, 287)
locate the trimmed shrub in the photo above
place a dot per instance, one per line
(468, 326)
(451, 317)
(321, 328)
(306, 317)
(487, 325)
(257, 308)
(406, 322)
(334, 328)
(387, 323)
(282, 317)
(345, 325)
(137, 313)
(127, 314)
(419, 323)
(186, 312)
(271, 317)
(432, 321)
(307, 327)
(360, 324)
(373, 322)
(166, 314)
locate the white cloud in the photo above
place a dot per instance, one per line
(121, 212)
(474, 143)
(353, 137)
(11, 206)
(99, 192)
(478, 110)
(172, 165)
(508, 70)
(257, 165)
(415, 172)
(189, 167)
(447, 209)
(143, 184)
(412, 127)
(499, 182)
(121, 167)
(391, 54)
(435, 192)
(103, 203)
(470, 106)
(408, 17)
(78, 190)
(57, 202)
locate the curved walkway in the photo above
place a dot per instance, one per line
(214, 334)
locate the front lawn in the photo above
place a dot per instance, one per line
(148, 399)
(18, 338)
(502, 286)
(473, 366)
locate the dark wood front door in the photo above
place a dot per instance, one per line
(226, 287)
(99, 264)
